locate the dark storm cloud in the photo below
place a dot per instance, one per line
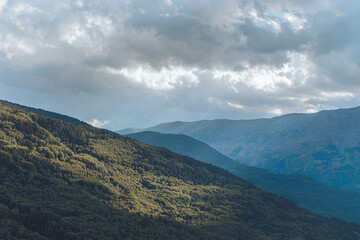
(138, 63)
(266, 41)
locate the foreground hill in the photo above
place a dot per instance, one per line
(65, 181)
(305, 192)
(324, 146)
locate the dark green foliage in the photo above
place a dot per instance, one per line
(5, 158)
(36, 206)
(312, 195)
(64, 181)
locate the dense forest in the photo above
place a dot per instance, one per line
(59, 180)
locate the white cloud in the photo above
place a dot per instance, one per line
(168, 2)
(276, 111)
(298, 23)
(335, 94)
(73, 33)
(270, 78)
(14, 46)
(235, 105)
(266, 23)
(312, 108)
(3, 4)
(79, 3)
(24, 8)
(89, 32)
(166, 78)
(97, 123)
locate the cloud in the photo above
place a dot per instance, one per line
(164, 79)
(24, 8)
(235, 105)
(138, 63)
(268, 78)
(3, 4)
(11, 46)
(89, 32)
(97, 123)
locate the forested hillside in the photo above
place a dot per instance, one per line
(65, 181)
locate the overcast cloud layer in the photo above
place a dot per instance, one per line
(137, 63)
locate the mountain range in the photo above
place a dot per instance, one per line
(59, 180)
(304, 191)
(324, 146)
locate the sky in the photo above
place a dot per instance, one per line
(137, 63)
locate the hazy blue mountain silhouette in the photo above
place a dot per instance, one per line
(323, 145)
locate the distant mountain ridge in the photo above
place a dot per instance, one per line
(312, 195)
(323, 145)
(129, 131)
